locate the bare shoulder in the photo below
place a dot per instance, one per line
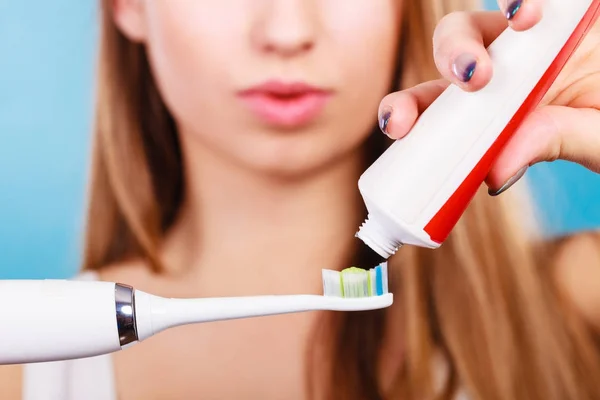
(11, 378)
(578, 273)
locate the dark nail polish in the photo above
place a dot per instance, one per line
(384, 119)
(512, 9)
(509, 182)
(464, 67)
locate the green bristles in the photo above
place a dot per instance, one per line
(355, 282)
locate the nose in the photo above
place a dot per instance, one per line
(286, 28)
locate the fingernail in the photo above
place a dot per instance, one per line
(464, 67)
(384, 119)
(512, 9)
(509, 182)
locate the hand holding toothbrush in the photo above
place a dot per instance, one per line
(565, 125)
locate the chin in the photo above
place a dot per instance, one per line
(294, 166)
(296, 159)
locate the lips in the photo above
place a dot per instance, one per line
(285, 104)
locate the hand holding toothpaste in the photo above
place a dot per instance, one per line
(566, 124)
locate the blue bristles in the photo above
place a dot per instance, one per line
(378, 280)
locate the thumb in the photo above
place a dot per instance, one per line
(548, 134)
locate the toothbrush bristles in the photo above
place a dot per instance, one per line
(356, 282)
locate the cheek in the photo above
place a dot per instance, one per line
(366, 41)
(367, 32)
(188, 44)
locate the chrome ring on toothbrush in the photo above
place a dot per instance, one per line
(125, 312)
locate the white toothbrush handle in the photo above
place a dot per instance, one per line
(418, 189)
(155, 314)
(47, 320)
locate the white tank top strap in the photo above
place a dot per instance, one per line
(89, 378)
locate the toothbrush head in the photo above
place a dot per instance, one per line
(356, 282)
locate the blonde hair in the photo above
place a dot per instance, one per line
(485, 300)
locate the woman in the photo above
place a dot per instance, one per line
(209, 179)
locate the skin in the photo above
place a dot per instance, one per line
(289, 176)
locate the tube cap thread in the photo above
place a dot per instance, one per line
(378, 238)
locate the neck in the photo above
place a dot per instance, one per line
(241, 232)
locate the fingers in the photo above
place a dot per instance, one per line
(460, 54)
(521, 14)
(461, 38)
(459, 49)
(398, 111)
(548, 134)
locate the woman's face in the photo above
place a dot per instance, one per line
(284, 86)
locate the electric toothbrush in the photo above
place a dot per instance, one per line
(52, 320)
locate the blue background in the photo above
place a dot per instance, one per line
(47, 51)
